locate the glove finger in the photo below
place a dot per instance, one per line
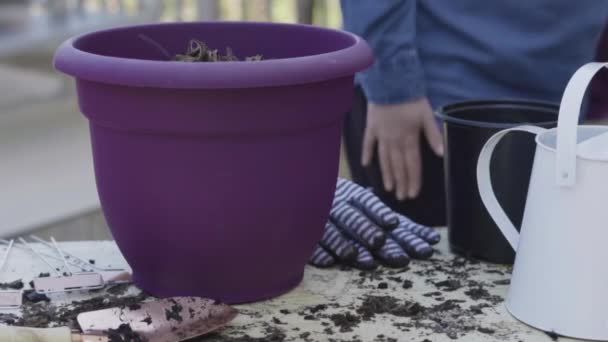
(413, 245)
(358, 226)
(321, 258)
(336, 243)
(392, 254)
(365, 260)
(379, 212)
(345, 189)
(428, 234)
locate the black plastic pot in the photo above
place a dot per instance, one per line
(467, 126)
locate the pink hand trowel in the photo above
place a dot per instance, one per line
(159, 320)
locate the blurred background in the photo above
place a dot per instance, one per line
(47, 184)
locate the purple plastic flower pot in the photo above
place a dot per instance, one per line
(216, 179)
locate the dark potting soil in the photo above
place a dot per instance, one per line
(124, 333)
(382, 338)
(277, 321)
(449, 284)
(477, 293)
(502, 282)
(446, 316)
(31, 296)
(373, 305)
(44, 314)
(198, 51)
(13, 285)
(118, 289)
(147, 320)
(174, 313)
(478, 308)
(552, 335)
(395, 279)
(495, 272)
(345, 321)
(318, 308)
(486, 330)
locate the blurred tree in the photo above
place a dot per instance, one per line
(58, 10)
(243, 5)
(285, 11)
(320, 13)
(259, 10)
(179, 10)
(305, 11)
(207, 9)
(231, 9)
(80, 7)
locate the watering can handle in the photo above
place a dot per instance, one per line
(485, 185)
(567, 122)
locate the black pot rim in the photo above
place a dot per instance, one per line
(444, 112)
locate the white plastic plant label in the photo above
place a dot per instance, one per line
(11, 299)
(74, 282)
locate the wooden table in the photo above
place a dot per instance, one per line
(328, 304)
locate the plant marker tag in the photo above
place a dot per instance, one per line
(110, 276)
(74, 282)
(9, 299)
(71, 282)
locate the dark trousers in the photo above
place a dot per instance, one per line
(429, 207)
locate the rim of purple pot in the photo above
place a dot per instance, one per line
(242, 74)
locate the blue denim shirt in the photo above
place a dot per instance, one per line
(453, 50)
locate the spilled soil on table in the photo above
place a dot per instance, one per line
(451, 317)
(43, 313)
(454, 318)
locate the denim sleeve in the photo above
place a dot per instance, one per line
(389, 26)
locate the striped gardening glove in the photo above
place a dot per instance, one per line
(362, 231)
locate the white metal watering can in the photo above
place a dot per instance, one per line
(560, 276)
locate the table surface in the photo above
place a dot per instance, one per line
(320, 308)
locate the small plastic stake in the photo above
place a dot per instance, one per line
(22, 240)
(6, 242)
(37, 239)
(9, 299)
(5, 257)
(65, 262)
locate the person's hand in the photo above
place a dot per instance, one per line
(363, 231)
(396, 129)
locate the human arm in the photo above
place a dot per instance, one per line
(398, 111)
